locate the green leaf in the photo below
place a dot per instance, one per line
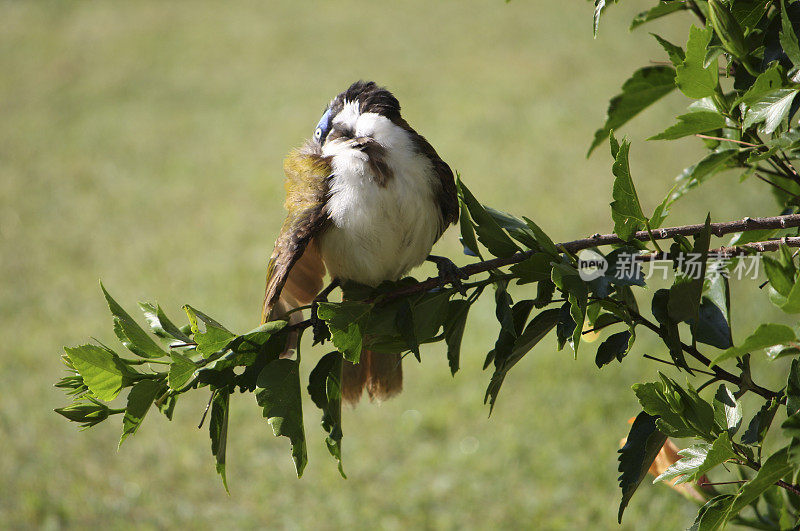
(534, 332)
(662, 9)
(693, 77)
(780, 278)
(568, 281)
(771, 109)
(616, 346)
(130, 333)
(625, 209)
(713, 514)
(748, 12)
(346, 321)
(690, 124)
(516, 228)
(766, 335)
(465, 222)
(646, 86)
(675, 53)
(771, 471)
(278, 392)
(405, 324)
(215, 339)
(218, 431)
(767, 82)
(792, 302)
(727, 411)
(760, 423)
(788, 37)
(599, 5)
(324, 387)
(102, 371)
(490, 234)
(686, 292)
(635, 458)
(454, 326)
(160, 324)
(699, 459)
(533, 269)
(712, 328)
(727, 29)
(181, 370)
(140, 399)
(672, 338)
(793, 389)
(695, 175)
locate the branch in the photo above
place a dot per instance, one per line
(718, 229)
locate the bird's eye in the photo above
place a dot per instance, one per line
(318, 133)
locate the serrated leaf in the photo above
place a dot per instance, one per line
(663, 8)
(615, 347)
(793, 389)
(771, 108)
(490, 234)
(346, 321)
(324, 387)
(686, 292)
(102, 371)
(181, 370)
(788, 37)
(699, 459)
(160, 324)
(773, 469)
(691, 124)
(534, 332)
(675, 52)
(568, 281)
(215, 339)
(766, 335)
(695, 175)
(130, 333)
(454, 325)
(278, 393)
(533, 269)
(465, 222)
(140, 399)
(635, 458)
(693, 77)
(711, 327)
(218, 431)
(727, 411)
(760, 423)
(625, 209)
(646, 86)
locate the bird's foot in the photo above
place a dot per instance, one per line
(449, 272)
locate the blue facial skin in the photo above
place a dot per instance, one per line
(323, 127)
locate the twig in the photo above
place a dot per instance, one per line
(727, 140)
(648, 356)
(776, 185)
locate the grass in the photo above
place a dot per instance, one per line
(142, 143)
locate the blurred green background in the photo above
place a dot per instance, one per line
(142, 143)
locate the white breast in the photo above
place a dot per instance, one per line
(379, 232)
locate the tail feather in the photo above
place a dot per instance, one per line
(379, 373)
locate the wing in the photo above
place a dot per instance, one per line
(295, 272)
(447, 195)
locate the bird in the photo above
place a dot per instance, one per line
(367, 197)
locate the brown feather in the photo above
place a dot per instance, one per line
(296, 271)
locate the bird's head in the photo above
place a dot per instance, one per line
(363, 111)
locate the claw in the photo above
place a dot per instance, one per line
(449, 272)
